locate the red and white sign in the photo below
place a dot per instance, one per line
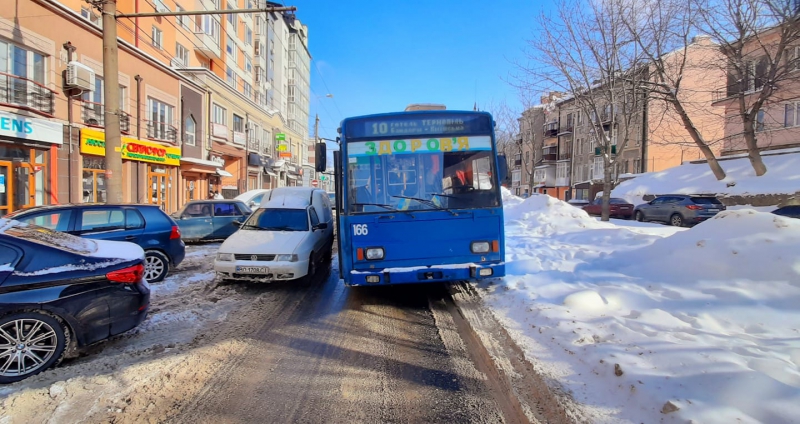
(314, 183)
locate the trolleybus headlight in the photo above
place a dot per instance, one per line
(224, 256)
(480, 247)
(374, 253)
(485, 272)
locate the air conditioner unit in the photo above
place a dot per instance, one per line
(80, 76)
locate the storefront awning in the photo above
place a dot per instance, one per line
(268, 172)
(291, 177)
(197, 161)
(278, 163)
(224, 173)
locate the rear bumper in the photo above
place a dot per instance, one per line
(427, 274)
(178, 252)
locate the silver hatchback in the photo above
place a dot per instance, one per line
(679, 209)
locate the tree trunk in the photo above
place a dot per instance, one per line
(604, 215)
(716, 168)
(752, 150)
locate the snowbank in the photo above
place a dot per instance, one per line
(781, 178)
(638, 321)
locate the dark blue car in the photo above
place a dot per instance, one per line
(203, 220)
(57, 289)
(146, 225)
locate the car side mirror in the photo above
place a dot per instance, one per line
(237, 223)
(322, 226)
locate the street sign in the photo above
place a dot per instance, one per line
(323, 178)
(314, 183)
(280, 137)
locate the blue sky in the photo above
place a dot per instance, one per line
(379, 56)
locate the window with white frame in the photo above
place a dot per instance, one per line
(211, 27)
(266, 145)
(232, 19)
(248, 36)
(157, 36)
(248, 65)
(161, 6)
(597, 171)
(219, 115)
(230, 77)
(238, 123)
(515, 176)
(791, 115)
(182, 21)
(254, 137)
(759, 122)
(92, 17)
(795, 57)
(161, 119)
(16, 60)
(189, 131)
(182, 54)
(230, 47)
(562, 170)
(247, 89)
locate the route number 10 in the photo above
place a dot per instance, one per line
(381, 128)
(360, 229)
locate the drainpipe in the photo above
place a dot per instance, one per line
(70, 192)
(139, 80)
(246, 151)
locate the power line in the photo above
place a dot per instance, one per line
(341, 115)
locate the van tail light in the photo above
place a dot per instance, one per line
(129, 275)
(694, 207)
(175, 234)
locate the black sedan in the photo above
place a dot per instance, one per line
(58, 290)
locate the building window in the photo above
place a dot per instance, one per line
(219, 115)
(182, 54)
(248, 90)
(791, 116)
(211, 27)
(267, 142)
(182, 20)
(230, 77)
(248, 36)
(248, 65)
(238, 123)
(94, 179)
(230, 47)
(794, 56)
(636, 166)
(92, 17)
(161, 119)
(232, 20)
(157, 36)
(759, 124)
(190, 130)
(23, 63)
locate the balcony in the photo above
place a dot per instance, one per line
(26, 94)
(163, 131)
(565, 156)
(93, 115)
(551, 129)
(565, 130)
(208, 44)
(550, 154)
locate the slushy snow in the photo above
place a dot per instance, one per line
(638, 319)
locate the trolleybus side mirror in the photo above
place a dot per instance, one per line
(502, 171)
(321, 156)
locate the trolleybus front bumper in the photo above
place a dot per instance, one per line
(428, 274)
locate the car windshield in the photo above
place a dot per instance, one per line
(277, 220)
(385, 175)
(706, 201)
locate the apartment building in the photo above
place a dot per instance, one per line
(778, 121)
(198, 109)
(527, 150)
(571, 165)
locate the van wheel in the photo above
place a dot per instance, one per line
(156, 266)
(30, 343)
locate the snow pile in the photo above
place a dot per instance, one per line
(781, 178)
(650, 323)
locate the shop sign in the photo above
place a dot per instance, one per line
(280, 137)
(284, 154)
(12, 125)
(219, 130)
(282, 147)
(218, 160)
(93, 143)
(238, 137)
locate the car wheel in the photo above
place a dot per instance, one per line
(676, 220)
(639, 216)
(312, 268)
(156, 266)
(30, 343)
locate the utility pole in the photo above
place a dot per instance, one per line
(111, 83)
(111, 104)
(316, 140)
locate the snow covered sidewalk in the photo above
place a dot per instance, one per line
(648, 323)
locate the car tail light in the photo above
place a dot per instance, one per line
(131, 274)
(175, 234)
(694, 207)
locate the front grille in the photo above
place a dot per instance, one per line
(249, 257)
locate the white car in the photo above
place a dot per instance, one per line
(253, 198)
(287, 238)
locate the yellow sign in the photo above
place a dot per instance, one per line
(94, 143)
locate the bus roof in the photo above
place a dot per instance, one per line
(425, 106)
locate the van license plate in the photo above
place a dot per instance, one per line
(252, 269)
(713, 210)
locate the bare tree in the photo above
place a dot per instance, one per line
(584, 50)
(506, 131)
(675, 63)
(754, 36)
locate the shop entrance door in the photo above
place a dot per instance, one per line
(6, 189)
(158, 189)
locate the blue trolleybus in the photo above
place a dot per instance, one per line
(418, 198)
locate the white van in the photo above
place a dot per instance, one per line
(288, 237)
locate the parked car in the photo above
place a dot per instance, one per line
(679, 209)
(332, 199)
(286, 238)
(146, 225)
(203, 220)
(791, 211)
(619, 208)
(252, 198)
(57, 289)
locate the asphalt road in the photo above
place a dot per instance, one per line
(321, 352)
